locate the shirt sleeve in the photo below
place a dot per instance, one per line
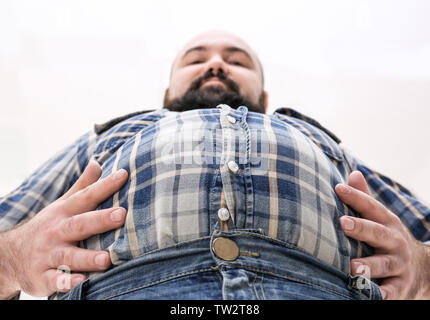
(49, 182)
(414, 212)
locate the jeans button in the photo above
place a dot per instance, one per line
(225, 249)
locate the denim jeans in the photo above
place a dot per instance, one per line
(264, 269)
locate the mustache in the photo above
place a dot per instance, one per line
(229, 83)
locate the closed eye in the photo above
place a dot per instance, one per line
(236, 63)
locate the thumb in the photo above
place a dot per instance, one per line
(90, 175)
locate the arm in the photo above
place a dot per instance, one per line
(33, 253)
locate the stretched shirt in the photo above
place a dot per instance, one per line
(191, 172)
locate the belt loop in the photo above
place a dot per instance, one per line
(78, 291)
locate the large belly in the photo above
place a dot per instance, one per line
(179, 177)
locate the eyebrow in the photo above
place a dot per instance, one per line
(228, 49)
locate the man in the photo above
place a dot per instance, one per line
(210, 198)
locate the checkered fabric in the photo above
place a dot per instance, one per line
(275, 174)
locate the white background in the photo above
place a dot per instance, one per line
(361, 68)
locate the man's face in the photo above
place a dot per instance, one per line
(213, 68)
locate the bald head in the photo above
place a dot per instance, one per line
(215, 37)
(218, 62)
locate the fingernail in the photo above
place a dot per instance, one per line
(356, 265)
(117, 215)
(347, 224)
(94, 162)
(383, 293)
(101, 260)
(343, 188)
(119, 174)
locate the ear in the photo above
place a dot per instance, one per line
(266, 101)
(166, 97)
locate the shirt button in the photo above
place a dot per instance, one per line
(223, 214)
(233, 166)
(225, 249)
(231, 119)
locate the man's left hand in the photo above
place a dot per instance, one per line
(400, 261)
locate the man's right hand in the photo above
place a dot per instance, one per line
(33, 253)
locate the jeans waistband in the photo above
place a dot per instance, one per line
(256, 253)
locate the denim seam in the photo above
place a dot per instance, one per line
(262, 236)
(223, 287)
(219, 276)
(294, 279)
(280, 242)
(159, 281)
(165, 248)
(262, 288)
(255, 289)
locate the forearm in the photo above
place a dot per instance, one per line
(8, 286)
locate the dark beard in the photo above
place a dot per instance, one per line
(212, 96)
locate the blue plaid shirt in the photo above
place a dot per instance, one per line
(270, 174)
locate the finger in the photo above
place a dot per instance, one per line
(357, 181)
(79, 259)
(90, 175)
(60, 281)
(364, 204)
(377, 266)
(83, 226)
(373, 233)
(391, 288)
(89, 198)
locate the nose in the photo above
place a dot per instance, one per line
(216, 64)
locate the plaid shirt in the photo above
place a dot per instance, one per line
(272, 174)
